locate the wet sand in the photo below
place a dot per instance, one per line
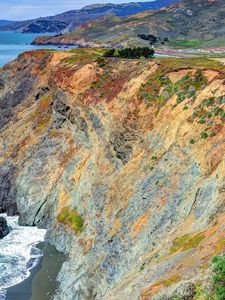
(41, 284)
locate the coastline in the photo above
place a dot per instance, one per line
(42, 283)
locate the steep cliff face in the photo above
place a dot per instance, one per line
(123, 162)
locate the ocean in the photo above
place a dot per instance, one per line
(13, 43)
(18, 254)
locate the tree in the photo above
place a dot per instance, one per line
(136, 53)
(109, 53)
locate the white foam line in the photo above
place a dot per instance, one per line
(18, 254)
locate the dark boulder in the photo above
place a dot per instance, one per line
(4, 228)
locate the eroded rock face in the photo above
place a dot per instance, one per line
(7, 190)
(4, 229)
(130, 154)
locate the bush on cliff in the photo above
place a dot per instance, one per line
(131, 53)
(69, 216)
(109, 53)
(218, 276)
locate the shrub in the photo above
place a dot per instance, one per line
(218, 276)
(192, 141)
(109, 53)
(71, 217)
(204, 135)
(154, 157)
(136, 53)
(100, 61)
(202, 121)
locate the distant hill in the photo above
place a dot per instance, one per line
(69, 20)
(187, 23)
(5, 22)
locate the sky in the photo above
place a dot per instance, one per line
(29, 9)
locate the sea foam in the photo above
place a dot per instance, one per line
(18, 254)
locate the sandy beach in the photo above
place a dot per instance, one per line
(41, 284)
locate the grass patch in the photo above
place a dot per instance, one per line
(185, 43)
(69, 216)
(83, 56)
(171, 280)
(186, 242)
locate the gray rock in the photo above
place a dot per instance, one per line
(7, 192)
(184, 290)
(4, 229)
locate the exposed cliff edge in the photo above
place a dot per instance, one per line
(123, 162)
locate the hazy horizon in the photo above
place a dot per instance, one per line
(17, 10)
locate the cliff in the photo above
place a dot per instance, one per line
(123, 162)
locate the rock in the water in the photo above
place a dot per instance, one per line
(4, 228)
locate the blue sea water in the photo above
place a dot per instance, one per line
(13, 43)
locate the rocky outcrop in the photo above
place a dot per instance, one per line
(7, 191)
(123, 162)
(4, 229)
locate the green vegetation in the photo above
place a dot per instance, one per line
(210, 112)
(218, 277)
(216, 290)
(69, 216)
(154, 158)
(204, 135)
(186, 242)
(82, 56)
(110, 53)
(136, 53)
(160, 88)
(188, 86)
(185, 43)
(192, 141)
(131, 53)
(171, 280)
(173, 64)
(142, 267)
(101, 61)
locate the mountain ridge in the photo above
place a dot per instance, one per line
(5, 22)
(182, 23)
(71, 19)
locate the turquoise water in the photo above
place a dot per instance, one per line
(14, 43)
